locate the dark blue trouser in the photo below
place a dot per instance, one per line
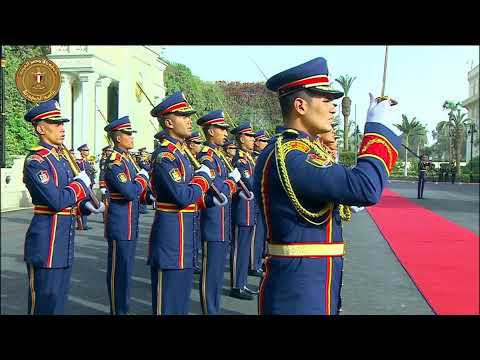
(173, 288)
(197, 242)
(258, 245)
(240, 255)
(421, 183)
(213, 268)
(143, 209)
(47, 290)
(301, 286)
(121, 258)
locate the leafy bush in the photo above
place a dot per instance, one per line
(348, 158)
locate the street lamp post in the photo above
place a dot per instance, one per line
(471, 131)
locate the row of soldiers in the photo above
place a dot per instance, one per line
(292, 189)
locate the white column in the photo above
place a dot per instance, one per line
(65, 99)
(87, 96)
(101, 118)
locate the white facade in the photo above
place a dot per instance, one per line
(472, 104)
(100, 83)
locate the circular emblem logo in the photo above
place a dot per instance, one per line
(38, 79)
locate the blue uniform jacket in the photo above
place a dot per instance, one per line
(126, 190)
(144, 164)
(49, 242)
(101, 175)
(179, 194)
(88, 168)
(244, 210)
(216, 221)
(320, 184)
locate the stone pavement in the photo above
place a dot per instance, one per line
(374, 280)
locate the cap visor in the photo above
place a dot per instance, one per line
(186, 112)
(334, 94)
(222, 125)
(55, 120)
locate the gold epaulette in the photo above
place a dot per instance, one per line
(116, 158)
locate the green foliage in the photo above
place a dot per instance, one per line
(240, 101)
(20, 135)
(348, 158)
(475, 163)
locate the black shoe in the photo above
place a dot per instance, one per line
(240, 294)
(258, 273)
(250, 291)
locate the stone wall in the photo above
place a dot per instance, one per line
(14, 195)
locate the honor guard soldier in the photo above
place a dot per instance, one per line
(85, 165)
(126, 189)
(243, 211)
(179, 191)
(49, 242)
(423, 165)
(229, 150)
(143, 164)
(216, 221)
(258, 247)
(297, 185)
(194, 143)
(106, 153)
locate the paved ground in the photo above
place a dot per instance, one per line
(374, 280)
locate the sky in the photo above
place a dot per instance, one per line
(420, 78)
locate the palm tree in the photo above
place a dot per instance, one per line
(457, 124)
(346, 82)
(420, 139)
(452, 106)
(409, 128)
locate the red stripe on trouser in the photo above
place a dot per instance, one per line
(328, 274)
(261, 295)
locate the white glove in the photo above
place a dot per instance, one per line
(383, 113)
(218, 203)
(152, 198)
(357, 209)
(245, 197)
(205, 169)
(84, 177)
(144, 173)
(235, 175)
(103, 190)
(92, 208)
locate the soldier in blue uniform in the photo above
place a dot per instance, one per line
(258, 245)
(56, 193)
(243, 211)
(194, 143)
(143, 163)
(229, 150)
(106, 153)
(85, 165)
(423, 165)
(215, 222)
(297, 186)
(127, 188)
(179, 191)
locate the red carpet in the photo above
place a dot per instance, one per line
(441, 257)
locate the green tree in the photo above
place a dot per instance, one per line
(346, 83)
(408, 128)
(20, 135)
(457, 125)
(419, 139)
